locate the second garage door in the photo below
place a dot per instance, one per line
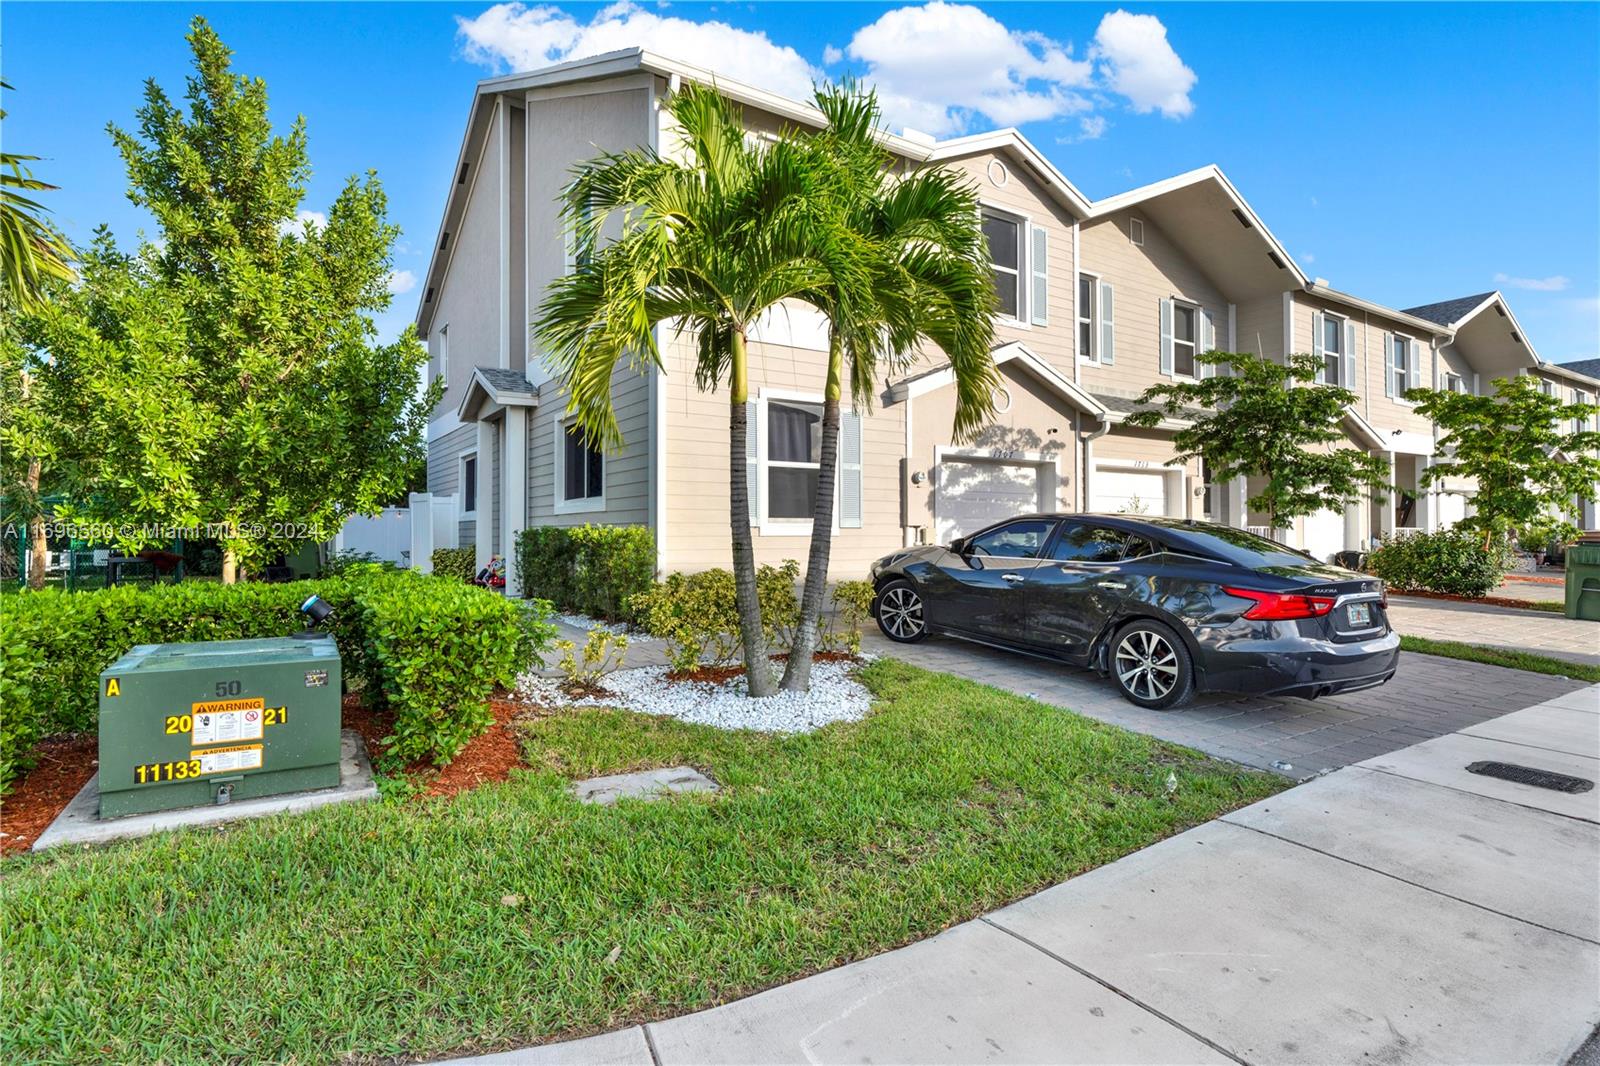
(1130, 492)
(974, 493)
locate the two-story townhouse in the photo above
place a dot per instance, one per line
(1098, 301)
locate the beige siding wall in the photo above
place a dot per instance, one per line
(1141, 277)
(1016, 193)
(1384, 412)
(1258, 326)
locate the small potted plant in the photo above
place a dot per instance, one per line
(1534, 540)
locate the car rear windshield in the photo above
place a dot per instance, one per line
(1238, 546)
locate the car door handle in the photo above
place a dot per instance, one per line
(1112, 584)
(1011, 577)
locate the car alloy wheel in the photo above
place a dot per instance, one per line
(900, 613)
(1149, 668)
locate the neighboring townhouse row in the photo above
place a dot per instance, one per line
(1099, 300)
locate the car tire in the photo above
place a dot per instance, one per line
(1151, 666)
(899, 612)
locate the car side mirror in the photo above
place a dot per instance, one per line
(959, 546)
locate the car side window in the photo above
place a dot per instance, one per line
(1022, 539)
(1138, 548)
(1080, 543)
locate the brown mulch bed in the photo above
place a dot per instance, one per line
(488, 758)
(64, 766)
(1491, 601)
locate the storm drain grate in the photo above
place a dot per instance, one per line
(1527, 775)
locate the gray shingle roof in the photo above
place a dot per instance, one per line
(503, 379)
(1448, 312)
(1589, 368)
(1126, 405)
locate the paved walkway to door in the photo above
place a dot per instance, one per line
(1429, 696)
(1400, 911)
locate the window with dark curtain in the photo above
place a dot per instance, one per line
(469, 484)
(583, 468)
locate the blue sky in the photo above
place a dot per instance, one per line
(1406, 153)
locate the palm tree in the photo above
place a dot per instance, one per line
(32, 253)
(708, 245)
(929, 280)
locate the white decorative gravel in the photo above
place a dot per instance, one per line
(585, 623)
(835, 696)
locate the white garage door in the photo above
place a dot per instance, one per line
(1323, 534)
(974, 493)
(1130, 492)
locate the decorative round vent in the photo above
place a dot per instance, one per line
(998, 174)
(1002, 399)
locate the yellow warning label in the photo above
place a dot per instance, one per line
(113, 687)
(219, 706)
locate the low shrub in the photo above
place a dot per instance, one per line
(582, 668)
(459, 563)
(592, 570)
(698, 614)
(340, 563)
(57, 643)
(1452, 561)
(852, 605)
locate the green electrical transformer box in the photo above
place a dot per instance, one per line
(183, 725)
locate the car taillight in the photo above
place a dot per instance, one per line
(1282, 606)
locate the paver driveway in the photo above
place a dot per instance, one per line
(1429, 696)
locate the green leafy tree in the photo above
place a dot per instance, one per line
(1258, 418)
(1530, 455)
(229, 374)
(707, 244)
(928, 279)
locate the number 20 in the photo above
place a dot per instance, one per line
(179, 723)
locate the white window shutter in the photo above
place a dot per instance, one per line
(1039, 262)
(1108, 328)
(850, 470)
(1349, 381)
(1166, 337)
(1208, 343)
(752, 456)
(1413, 365)
(1388, 364)
(1316, 346)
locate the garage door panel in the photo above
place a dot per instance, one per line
(1130, 492)
(974, 493)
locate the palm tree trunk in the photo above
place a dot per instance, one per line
(797, 672)
(758, 671)
(36, 539)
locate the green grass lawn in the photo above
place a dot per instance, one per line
(1515, 660)
(513, 914)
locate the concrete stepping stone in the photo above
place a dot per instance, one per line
(644, 784)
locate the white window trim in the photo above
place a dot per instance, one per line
(444, 354)
(1199, 313)
(583, 505)
(1024, 263)
(461, 483)
(1412, 352)
(1136, 231)
(784, 527)
(1094, 318)
(1322, 342)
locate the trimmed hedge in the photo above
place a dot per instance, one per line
(430, 649)
(1452, 561)
(460, 563)
(592, 570)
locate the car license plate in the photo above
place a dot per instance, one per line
(1360, 614)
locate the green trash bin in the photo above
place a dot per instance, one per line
(1583, 581)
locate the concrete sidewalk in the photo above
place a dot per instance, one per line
(1510, 628)
(1401, 910)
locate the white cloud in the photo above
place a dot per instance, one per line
(1554, 283)
(1092, 127)
(401, 281)
(296, 225)
(1307, 258)
(516, 36)
(1137, 62)
(940, 66)
(831, 55)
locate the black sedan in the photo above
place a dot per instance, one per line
(1166, 607)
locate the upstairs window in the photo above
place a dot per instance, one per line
(1004, 236)
(1332, 349)
(1185, 334)
(1401, 356)
(444, 353)
(1454, 383)
(1087, 287)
